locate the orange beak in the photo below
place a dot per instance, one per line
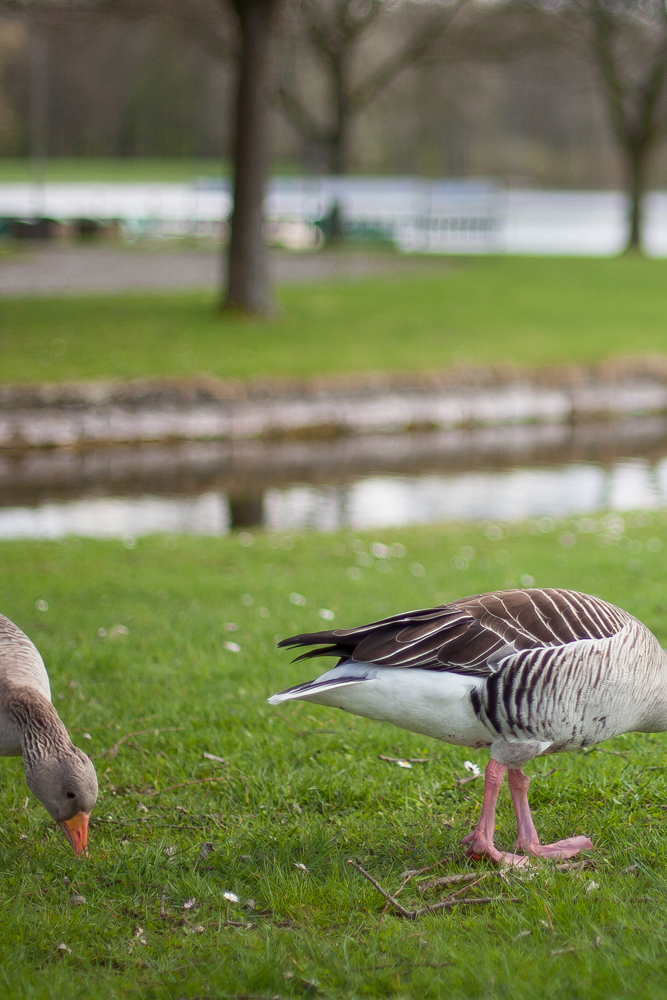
(76, 831)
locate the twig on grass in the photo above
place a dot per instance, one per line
(113, 751)
(435, 883)
(575, 866)
(444, 904)
(182, 784)
(410, 760)
(412, 873)
(401, 909)
(145, 821)
(464, 781)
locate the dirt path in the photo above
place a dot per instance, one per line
(49, 270)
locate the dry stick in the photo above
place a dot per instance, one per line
(434, 883)
(182, 784)
(465, 888)
(575, 866)
(401, 909)
(464, 781)
(445, 904)
(410, 875)
(113, 751)
(410, 760)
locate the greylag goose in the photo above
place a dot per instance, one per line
(58, 773)
(523, 672)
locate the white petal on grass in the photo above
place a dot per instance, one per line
(189, 904)
(212, 756)
(233, 647)
(231, 626)
(118, 630)
(473, 768)
(247, 599)
(527, 580)
(592, 886)
(42, 605)
(326, 614)
(63, 947)
(404, 763)
(87, 736)
(297, 864)
(297, 599)
(231, 897)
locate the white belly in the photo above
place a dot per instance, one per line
(433, 703)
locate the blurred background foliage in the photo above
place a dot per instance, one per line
(445, 89)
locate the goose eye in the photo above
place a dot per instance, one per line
(70, 795)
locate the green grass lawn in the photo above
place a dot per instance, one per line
(14, 169)
(119, 169)
(303, 785)
(482, 310)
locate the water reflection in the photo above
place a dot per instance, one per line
(118, 517)
(374, 501)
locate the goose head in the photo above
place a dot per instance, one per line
(64, 781)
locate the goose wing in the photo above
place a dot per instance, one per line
(473, 634)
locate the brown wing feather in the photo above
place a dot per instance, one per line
(466, 634)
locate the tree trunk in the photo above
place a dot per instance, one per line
(338, 137)
(636, 157)
(248, 286)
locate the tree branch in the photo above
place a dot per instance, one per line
(300, 118)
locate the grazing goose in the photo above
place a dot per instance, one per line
(58, 773)
(524, 672)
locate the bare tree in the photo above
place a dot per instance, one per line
(247, 285)
(334, 32)
(626, 43)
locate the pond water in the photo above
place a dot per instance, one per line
(210, 488)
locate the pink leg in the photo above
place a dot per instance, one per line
(480, 841)
(527, 839)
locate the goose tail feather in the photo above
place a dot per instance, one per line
(302, 691)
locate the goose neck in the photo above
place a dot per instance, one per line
(35, 721)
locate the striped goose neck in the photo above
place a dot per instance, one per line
(42, 731)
